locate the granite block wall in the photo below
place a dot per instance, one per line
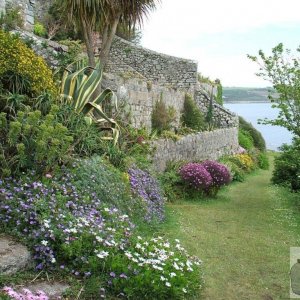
(200, 146)
(160, 68)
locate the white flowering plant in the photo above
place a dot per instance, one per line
(155, 269)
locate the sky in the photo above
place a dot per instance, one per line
(219, 34)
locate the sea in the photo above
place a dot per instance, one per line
(274, 136)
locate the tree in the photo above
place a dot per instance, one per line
(104, 16)
(283, 71)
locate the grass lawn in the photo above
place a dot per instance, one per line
(243, 237)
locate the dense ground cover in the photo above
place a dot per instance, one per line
(243, 237)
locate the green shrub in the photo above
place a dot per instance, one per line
(237, 173)
(245, 139)
(263, 161)
(39, 29)
(192, 117)
(172, 185)
(21, 70)
(162, 117)
(258, 139)
(287, 166)
(32, 141)
(12, 19)
(87, 137)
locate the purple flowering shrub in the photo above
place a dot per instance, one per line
(24, 295)
(145, 186)
(55, 218)
(195, 175)
(219, 173)
(208, 176)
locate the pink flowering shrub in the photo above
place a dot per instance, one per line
(208, 176)
(24, 295)
(196, 176)
(219, 173)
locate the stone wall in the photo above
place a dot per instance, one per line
(140, 97)
(222, 117)
(200, 146)
(2, 6)
(157, 67)
(26, 8)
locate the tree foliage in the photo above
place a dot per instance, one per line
(282, 69)
(104, 16)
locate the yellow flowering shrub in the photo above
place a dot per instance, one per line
(245, 161)
(18, 60)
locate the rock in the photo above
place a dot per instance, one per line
(13, 256)
(53, 290)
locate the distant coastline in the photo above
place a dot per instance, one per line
(245, 95)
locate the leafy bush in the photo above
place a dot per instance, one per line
(287, 166)
(237, 173)
(21, 70)
(145, 186)
(192, 117)
(74, 232)
(12, 19)
(258, 139)
(33, 141)
(170, 180)
(245, 139)
(162, 117)
(39, 29)
(95, 176)
(260, 159)
(87, 137)
(195, 175)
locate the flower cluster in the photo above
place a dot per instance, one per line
(60, 223)
(17, 59)
(219, 173)
(207, 176)
(156, 265)
(245, 161)
(145, 186)
(24, 295)
(196, 176)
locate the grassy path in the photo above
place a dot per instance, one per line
(243, 237)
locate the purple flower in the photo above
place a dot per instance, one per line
(145, 186)
(112, 274)
(196, 176)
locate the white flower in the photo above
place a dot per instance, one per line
(106, 209)
(45, 243)
(138, 246)
(139, 237)
(177, 241)
(53, 260)
(176, 266)
(168, 284)
(167, 245)
(103, 254)
(184, 290)
(172, 274)
(162, 278)
(99, 239)
(128, 254)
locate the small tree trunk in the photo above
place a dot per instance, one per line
(88, 40)
(108, 37)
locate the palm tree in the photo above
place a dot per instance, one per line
(104, 16)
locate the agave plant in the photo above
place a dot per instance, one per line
(80, 86)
